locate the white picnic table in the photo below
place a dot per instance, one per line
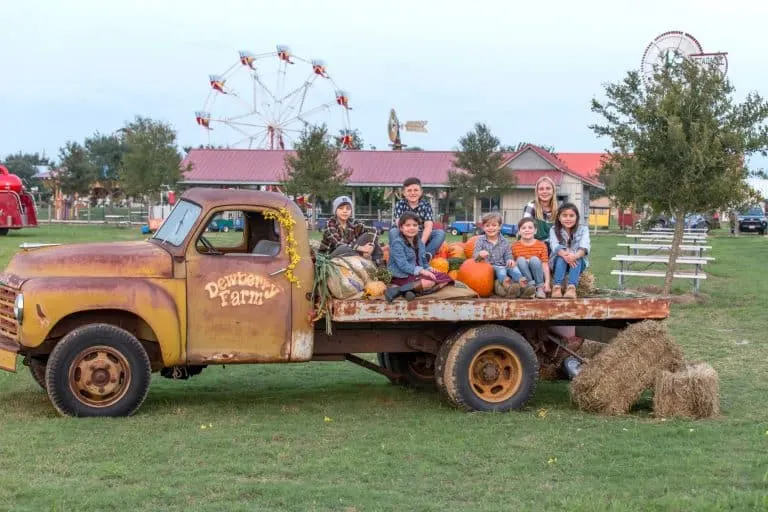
(625, 269)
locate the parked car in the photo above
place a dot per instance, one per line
(692, 221)
(752, 220)
(460, 227)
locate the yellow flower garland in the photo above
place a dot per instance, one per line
(287, 223)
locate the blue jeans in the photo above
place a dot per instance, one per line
(435, 240)
(532, 270)
(502, 272)
(561, 267)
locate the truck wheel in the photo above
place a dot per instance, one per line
(98, 370)
(487, 368)
(417, 367)
(37, 369)
(454, 231)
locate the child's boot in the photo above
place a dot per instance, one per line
(557, 292)
(528, 292)
(570, 292)
(513, 291)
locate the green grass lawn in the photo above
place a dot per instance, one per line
(333, 436)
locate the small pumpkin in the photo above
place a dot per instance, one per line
(375, 289)
(469, 247)
(478, 275)
(444, 251)
(385, 253)
(440, 264)
(454, 274)
(457, 250)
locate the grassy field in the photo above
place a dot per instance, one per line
(333, 436)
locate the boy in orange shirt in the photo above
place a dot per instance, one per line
(531, 257)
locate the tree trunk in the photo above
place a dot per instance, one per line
(674, 250)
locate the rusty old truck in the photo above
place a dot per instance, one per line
(94, 321)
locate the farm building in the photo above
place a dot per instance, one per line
(382, 172)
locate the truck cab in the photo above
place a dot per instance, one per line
(93, 320)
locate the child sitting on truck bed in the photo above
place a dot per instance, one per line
(345, 236)
(532, 256)
(408, 263)
(413, 202)
(494, 248)
(570, 250)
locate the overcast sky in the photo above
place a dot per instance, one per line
(528, 69)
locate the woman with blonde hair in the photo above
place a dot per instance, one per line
(543, 208)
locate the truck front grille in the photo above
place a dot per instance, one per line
(9, 327)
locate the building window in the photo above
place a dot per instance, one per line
(490, 204)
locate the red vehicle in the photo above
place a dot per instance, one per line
(17, 206)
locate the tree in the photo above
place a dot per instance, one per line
(152, 160)
(356, 143)
(679, 143)
(77, 172)
(477, 168)
(24, 165)
(314, 169)
(106, 154)
(520, 145)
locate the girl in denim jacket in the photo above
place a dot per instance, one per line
(570, 245)
(408, 263)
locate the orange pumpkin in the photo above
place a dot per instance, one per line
(385, 253)
(457, 250)
(444, 251)
(478, 275)
(454, 275)
(469, 247)
(440, 264)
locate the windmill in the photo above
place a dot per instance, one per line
(394, 127)
(673, 46)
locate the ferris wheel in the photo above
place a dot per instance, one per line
(266, 101)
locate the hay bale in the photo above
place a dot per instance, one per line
(590, 348)
(692, 392)
(549, 371)
(614, 380)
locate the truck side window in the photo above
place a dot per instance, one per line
(241, 233)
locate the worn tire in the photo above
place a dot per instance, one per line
(415, 366)
(98, 370)
(37, 369)
(402, 362)
(489, 368)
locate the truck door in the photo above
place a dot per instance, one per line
(238, 299)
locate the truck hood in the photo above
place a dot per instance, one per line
(111, 259)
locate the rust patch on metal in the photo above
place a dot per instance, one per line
(108, 259)
(488, 310)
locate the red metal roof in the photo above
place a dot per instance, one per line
(583, 164)
(369, 168)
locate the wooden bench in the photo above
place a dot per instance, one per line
(119, 220)
(699, 249)
(625, 261)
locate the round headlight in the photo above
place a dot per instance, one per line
(18, 307)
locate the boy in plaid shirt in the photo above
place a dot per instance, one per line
(414, 202)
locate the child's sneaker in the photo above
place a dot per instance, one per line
(540, 294)
(528, 292)
(570, 292)
(557, 292)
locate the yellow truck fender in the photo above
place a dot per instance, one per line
(147, 307)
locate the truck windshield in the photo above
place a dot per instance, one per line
(178, 223)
